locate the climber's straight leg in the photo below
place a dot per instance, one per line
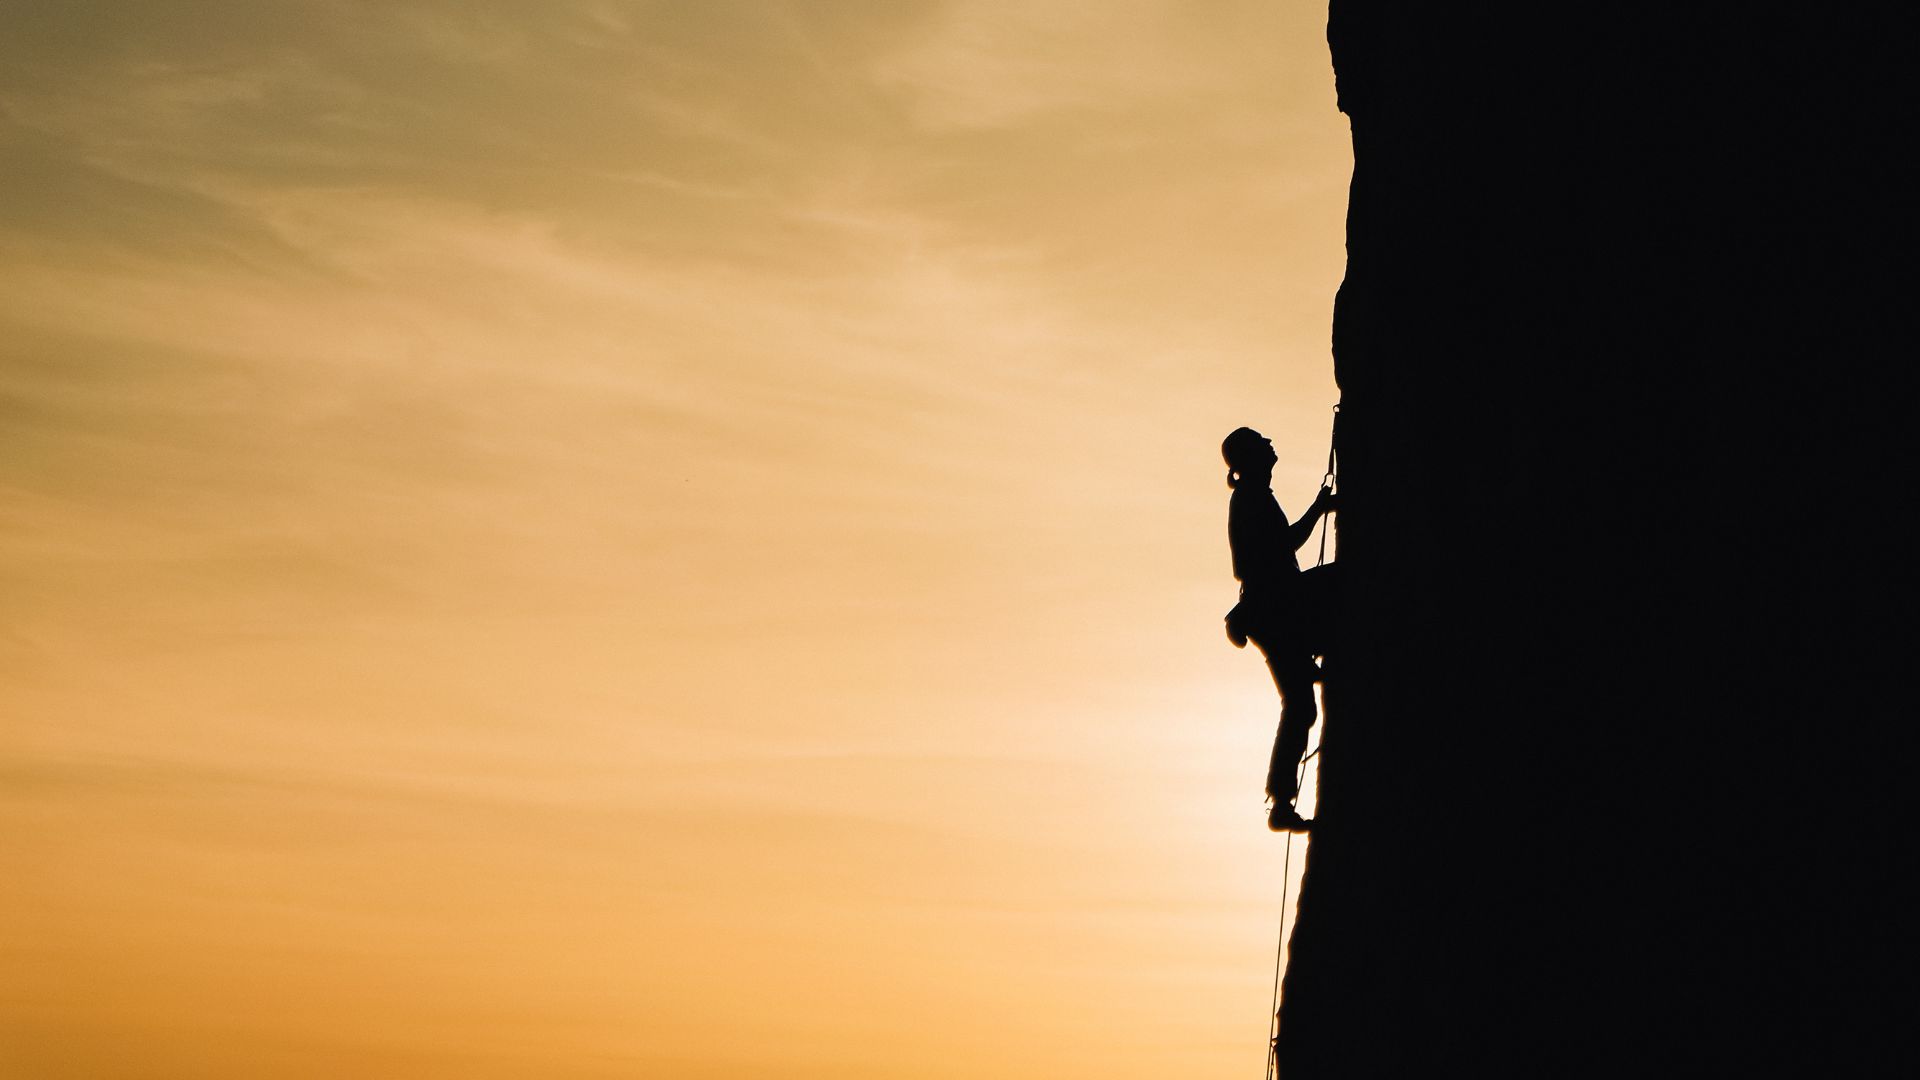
(1293, 676)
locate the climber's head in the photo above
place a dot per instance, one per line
(1248, 453)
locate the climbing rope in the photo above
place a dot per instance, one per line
(1280, 947)
(1331, 479)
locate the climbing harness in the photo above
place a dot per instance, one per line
(1331, 479)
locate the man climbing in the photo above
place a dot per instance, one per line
(1285, 613)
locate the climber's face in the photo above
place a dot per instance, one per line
(1264, 455)
(1248, 451)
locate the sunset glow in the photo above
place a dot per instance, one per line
(595, 539)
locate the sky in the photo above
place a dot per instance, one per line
(674, 539)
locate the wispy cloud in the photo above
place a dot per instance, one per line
(994, 63)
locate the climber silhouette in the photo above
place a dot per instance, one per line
(1287, 614)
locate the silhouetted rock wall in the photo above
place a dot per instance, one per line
(1610, 783)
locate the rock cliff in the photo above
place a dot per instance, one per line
(1610, 782)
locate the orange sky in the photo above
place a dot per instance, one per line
(593, 539)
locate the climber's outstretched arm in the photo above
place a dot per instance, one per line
(1301, 531)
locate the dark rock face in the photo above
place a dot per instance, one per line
(1611, 783)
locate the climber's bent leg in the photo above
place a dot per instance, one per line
(1318, 599)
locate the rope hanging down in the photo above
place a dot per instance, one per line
(1280, 947)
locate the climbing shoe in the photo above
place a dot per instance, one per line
(1284, 818)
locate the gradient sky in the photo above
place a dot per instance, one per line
(594, 539)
